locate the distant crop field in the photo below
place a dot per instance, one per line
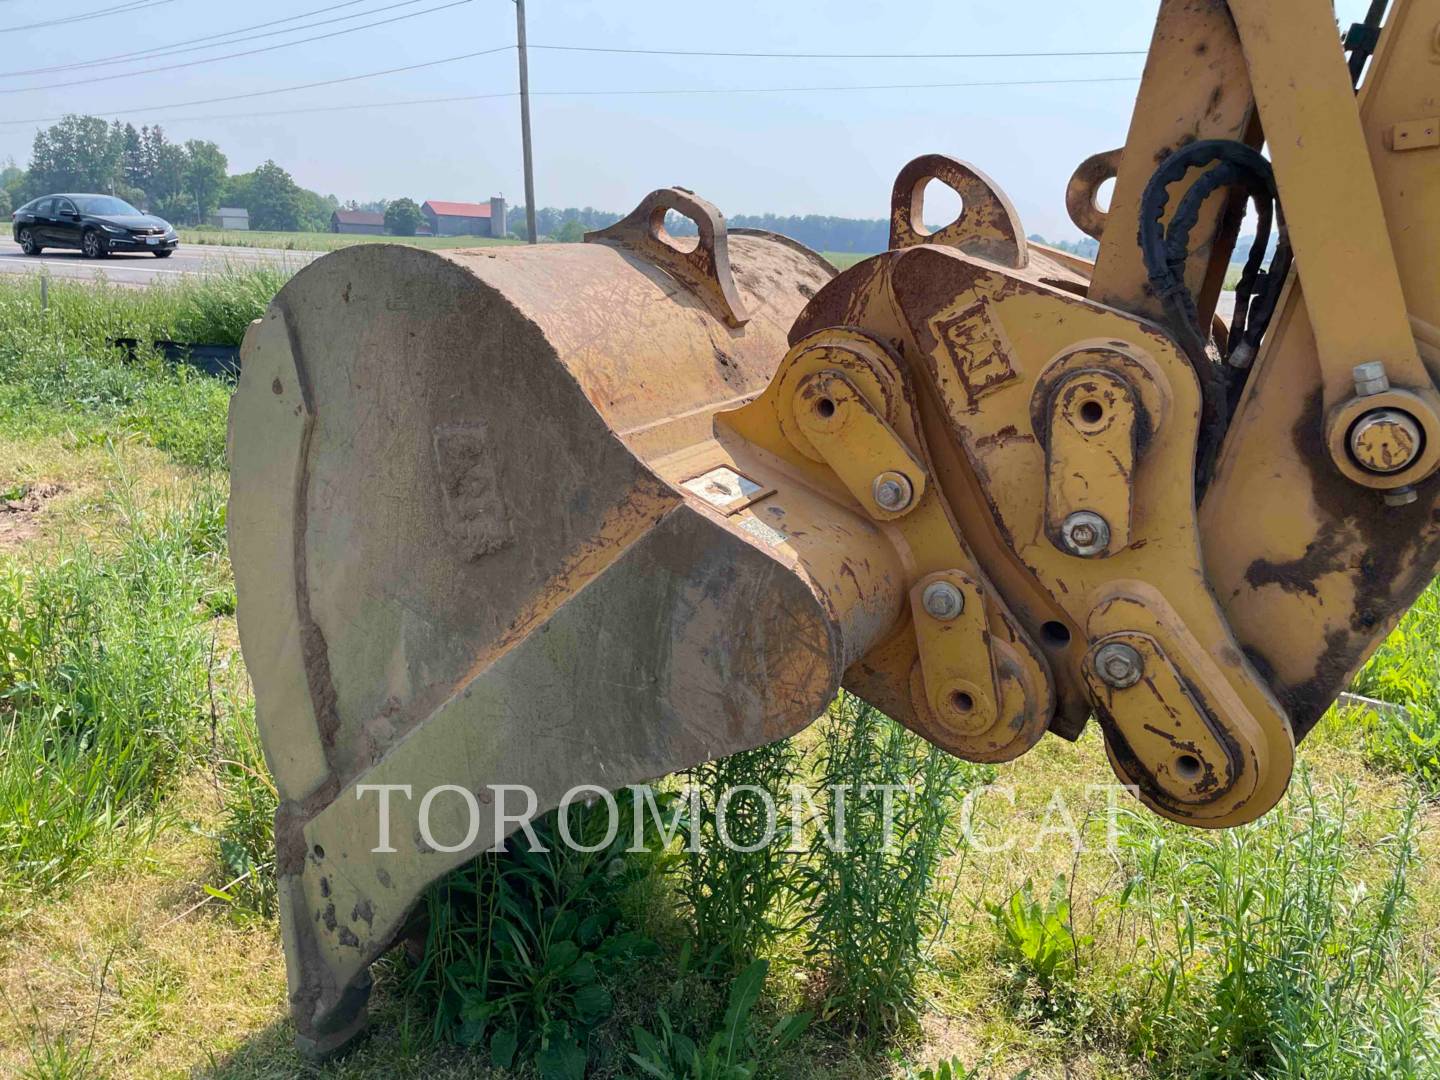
(318, 241)
(843, 260)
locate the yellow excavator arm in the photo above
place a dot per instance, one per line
(512, 520)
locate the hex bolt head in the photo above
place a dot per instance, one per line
(892, 491)
(1085, 533)
(942, 601)
(1385, 440)
(1118, 665)
(1370, 378)
(1401, 496)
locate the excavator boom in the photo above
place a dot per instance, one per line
(510, 521)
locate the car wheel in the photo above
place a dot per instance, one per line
(165, 253)
(93, 245)
(28, 244)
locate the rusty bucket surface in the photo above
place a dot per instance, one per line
(483, 535)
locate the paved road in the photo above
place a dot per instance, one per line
(144, 270)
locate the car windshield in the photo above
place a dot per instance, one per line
(105, 204)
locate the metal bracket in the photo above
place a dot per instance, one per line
(867, 456)
(1090, 453)
(1081, 192)
(956, 667)
(1176, 728)
(705, 269)
(987, 228)
(871, 428)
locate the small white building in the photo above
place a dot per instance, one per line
(230, 217)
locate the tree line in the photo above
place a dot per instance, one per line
(182, 182)
(186, 182)
(816, 231)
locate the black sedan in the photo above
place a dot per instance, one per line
(96, 224)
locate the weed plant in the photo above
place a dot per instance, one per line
(521, 948)
(247, 837)
(1405, 671)
(877, 898)
(734, 1051)
(1040, 947)
(741, 901)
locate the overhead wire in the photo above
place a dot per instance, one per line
(212, 41)
(580, 93)
(193, 44)
(837, 56)
(85, 16)
(276, 90)
(245, 52)
(534, 93)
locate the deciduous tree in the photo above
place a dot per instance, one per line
(403, 217)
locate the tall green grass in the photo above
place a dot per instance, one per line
(1405, 671)
(105, 696)
(60, 374)
(1277, 954)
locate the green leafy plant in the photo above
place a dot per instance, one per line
(733, 1052)
(1039, 941)
(954, 1069)
(1404, 672)
(521, 946)
(948, 1069)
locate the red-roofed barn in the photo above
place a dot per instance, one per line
(466, 219)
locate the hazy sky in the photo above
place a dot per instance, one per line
(830, 151)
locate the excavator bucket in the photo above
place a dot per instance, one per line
(512, 522)
(483, 536)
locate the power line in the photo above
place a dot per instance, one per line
(210, 41)
(592, 93)
(827, 89)
(276, 90)
(840, 56)
(118, 9)
(247, 52)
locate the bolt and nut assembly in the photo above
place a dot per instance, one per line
(892, 491)
(1118, 665)
(1085, 533)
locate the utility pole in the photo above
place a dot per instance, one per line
(525, 119)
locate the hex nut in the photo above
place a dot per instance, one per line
(1085, 533)
(1371, 378)
(1118, 665)
(942, 601)
(892, 491)
(1401, 496)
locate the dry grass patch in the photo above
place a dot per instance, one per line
(136, 970)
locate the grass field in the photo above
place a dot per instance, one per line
(137, 927)
(324, 241)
